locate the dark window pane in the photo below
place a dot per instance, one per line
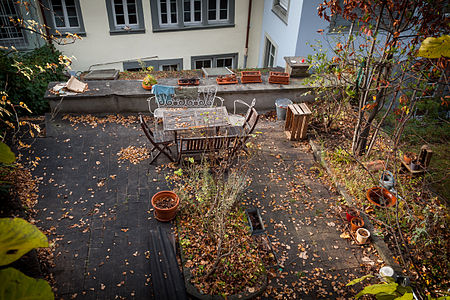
(73, 21)
(71, 11)
(187, 17)
(223, 4)
(118, 2)
(119, 9)
(164, 18)
(70, 2)
(131, 8)
(173, 7)
(212, 4)
(54, 2)
(211, 15)
(223, 14)
(131, 2)
(163, 7)
(197, 5)
(132, 19)
(187, 5)
(173, 18)
(120, 19)
(197, 16)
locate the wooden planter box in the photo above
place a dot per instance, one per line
(251, 77)
(279, 78)
(229, 79)
(297, 118)
(188, 81)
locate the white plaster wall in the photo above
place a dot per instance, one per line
(101, 47)
(283, 35)
(256, 21)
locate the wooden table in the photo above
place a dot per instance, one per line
(193, 118)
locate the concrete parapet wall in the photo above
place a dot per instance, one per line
(125, 96)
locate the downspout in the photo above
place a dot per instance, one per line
(44, 19)
(248, 33)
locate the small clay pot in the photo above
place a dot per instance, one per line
(407, 159)
(356, 222)
(165, 214)
(362, 235)
(351, 213)
(147, 87)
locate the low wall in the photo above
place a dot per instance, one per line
(125, 96)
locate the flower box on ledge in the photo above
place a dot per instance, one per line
(251, 77)
(188, 81)
(279, 78)
(228, 79)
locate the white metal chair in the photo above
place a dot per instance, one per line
(239, 120)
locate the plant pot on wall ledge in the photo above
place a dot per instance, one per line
(166, 205)
(278, 78)
(147, 87)
(381, 197)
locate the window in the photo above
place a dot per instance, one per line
(269, 54)
(191, 14)
(281, 9)
(168, 9)
(175, 64)
(64, 16)
(214, 61)
(217, 10)
(10, 35)
(125, 16)
(192, 10)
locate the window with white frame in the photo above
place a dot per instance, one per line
(10, 35)
(269, 54)
(65, 14)
(191, 14)
(192, 10)
(217, 10)
(125, 16)
(173, 67)
(214, 61)
(168, 12)
(281, 9)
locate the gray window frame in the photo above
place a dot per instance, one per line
(192, 13)
(280, 11)
(214, 57)
(267, 52)
(116, 30)
(156, 63)
(18, 42)
(181, 25)
(50, 17)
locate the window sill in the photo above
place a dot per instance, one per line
(281, 13)
(123, 32)
(63, 33)
(193, 27)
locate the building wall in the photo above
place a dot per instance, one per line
(255, 33)
(100, 47)
(281, 34)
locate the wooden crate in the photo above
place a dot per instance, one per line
(297, 118)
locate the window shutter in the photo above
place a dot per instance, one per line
(284, 4)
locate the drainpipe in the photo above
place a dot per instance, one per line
(248, 33)
(47, 32)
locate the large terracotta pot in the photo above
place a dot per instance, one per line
(165, 214)
(147, 87)
(381, 197)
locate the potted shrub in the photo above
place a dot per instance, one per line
(166, 205)
(356, 222)
(148, 82)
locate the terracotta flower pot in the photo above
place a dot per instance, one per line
(381, 197)
(147, 87)
(351, 213)
(356, 222)
(407, 159)
(162, 202)
(362, 235)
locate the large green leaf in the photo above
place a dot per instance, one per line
(358, 280)
(388, 288)
(406, 296)
(17, 237)
(14, 285)
(6, 155)
(435, 47)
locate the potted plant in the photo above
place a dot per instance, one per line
(148, 82)
(166, 205)
(279, 77)
(251, 77)
(408, 157)
(381, 197)
(227, 79)
(188, 81)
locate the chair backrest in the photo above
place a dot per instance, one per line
(204, 97)
(147, 131)
(205, 143)
(251, 121)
